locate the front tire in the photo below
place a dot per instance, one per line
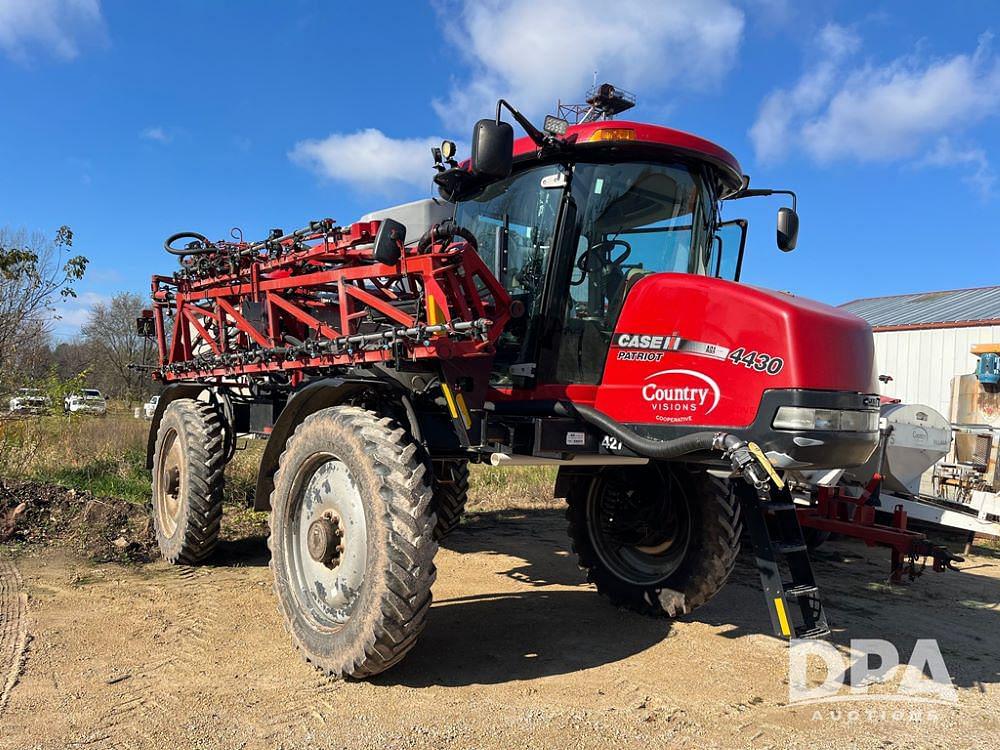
(188, 466)
(657, 539)
(352, 541)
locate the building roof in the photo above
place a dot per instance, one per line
(949, 309)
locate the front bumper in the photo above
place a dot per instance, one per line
(23, 408)
(795, 449)
(87, 408)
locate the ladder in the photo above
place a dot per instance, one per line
(782, 539)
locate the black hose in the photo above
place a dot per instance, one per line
(445, 231)
(659, 449)
(192, 249)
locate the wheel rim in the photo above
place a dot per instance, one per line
(168, 494)
(325, 541)
(640, 528)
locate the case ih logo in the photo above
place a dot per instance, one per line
(672, 343)
(681, 392)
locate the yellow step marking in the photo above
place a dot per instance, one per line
(450, 399)
(779, 606)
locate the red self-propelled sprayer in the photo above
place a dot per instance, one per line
(573, 300)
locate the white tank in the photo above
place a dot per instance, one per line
(417, 217)
(920, 437)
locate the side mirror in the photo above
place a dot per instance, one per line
(492, 149)
(388, 242)
(788, 229)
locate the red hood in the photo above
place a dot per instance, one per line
(680, 334)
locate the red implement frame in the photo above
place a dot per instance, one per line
(320, 300)
(854, 517)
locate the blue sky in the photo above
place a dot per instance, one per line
(129, 120)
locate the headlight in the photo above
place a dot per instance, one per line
(832, 420)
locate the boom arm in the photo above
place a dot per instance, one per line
(317, 298)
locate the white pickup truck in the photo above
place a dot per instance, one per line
(30, 401)
(149, 408)
(86, 401)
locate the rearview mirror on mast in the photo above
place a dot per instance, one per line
(492, 149)
(788, 229)
(788, 218)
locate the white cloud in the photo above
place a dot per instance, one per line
(783, 109)
(880, 112)
(888, 112)
(71, 313)
(534, 53)
(946, 155)
(369, 159)
(52, 26)
(157, 134)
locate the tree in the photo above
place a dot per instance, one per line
(70, 358)
(34, 273)
(115, 343)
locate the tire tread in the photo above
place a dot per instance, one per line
(202, 430)
(404, 596)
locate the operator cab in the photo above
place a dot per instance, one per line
(594, 220)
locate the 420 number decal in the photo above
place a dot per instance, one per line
(758, 361)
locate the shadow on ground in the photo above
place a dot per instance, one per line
(542, 618)
(551, 623)
(241, 552)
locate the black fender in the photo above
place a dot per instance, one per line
(315, 395)
(191, 390)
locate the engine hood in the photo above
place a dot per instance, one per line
(698, 351)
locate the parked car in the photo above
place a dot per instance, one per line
(149, 408)
(86, 401)
(30, 401)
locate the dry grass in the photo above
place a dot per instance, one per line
(106, 456)
(492, 488)
(241, 472)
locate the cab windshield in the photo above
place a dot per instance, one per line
(632, 219)
(659, 216)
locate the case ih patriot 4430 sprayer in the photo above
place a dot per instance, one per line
(573, 301)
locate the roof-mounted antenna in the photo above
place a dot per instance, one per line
(604, 101)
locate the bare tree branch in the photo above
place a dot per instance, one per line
(111, 331)
(35, 272)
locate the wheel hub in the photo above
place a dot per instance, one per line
(325, 540)
(640, 526)
(168, 495)
(326, 535)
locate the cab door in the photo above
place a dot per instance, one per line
(515, 223)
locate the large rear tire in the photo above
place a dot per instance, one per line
(451, 490)
(657, 539)
(352, 541)
(188, 465)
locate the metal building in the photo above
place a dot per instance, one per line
(922, 340)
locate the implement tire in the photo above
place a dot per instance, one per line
(188, 465)
(451, 491)
(657, 539)
(352, 541)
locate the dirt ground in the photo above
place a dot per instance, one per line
(518, 652)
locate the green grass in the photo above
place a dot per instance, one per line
(102, 455)
(128, 479)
